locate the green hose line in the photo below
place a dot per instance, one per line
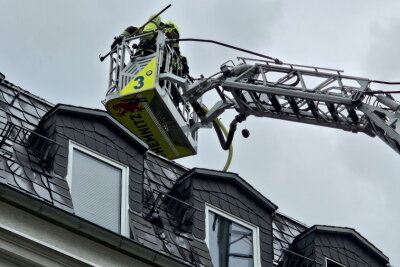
(225, 131)
(230, 154)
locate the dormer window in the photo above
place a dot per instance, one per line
(99, 188)
(231, 240)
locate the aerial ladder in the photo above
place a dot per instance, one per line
(153, 98)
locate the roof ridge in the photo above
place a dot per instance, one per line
(291, 218)
(28, 93)
(168, 160)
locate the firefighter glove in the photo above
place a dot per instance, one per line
(117, 41)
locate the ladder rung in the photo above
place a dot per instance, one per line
(293, 105)
(313, 108)
(353, 115)
(275, 103)
(332, 110)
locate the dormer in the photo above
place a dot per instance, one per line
(233, 218)
(331, 246)
(101, 161)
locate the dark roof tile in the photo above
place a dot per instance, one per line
(10, 179)
(24, 184)
(172, 249)
(14, 167)
(78, 124)
(28, 108)
(170, 175)
(123, 158)
(42, 192)
(7, 97)
(61, 199)
(59, 182)
(16, 112)
(135, 163)
(79, 137)
(15, 121)
(60, 190)
(68, 132)
(41, 107)
(102, 129)
(31, 119)
(101, 147)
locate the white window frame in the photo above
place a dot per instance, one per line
(326, 262)
(254, 228)
(124, 179)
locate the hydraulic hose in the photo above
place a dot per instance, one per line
(230, 154)
(232, 129)
(221, 127)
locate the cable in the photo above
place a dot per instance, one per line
(381, 92)
(277, 61)
(383, 82)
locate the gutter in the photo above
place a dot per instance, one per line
(85, 228)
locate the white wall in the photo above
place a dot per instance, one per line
(29, 239)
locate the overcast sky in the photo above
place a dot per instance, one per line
(314, 174)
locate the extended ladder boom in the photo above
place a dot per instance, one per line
(312, 95)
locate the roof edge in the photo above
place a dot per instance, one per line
(27, 93)
(231, 177)
(345, 231)
(94, 113)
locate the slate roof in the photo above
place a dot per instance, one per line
(154, 228)
(234, 178)
(285, 229)
(344, 231)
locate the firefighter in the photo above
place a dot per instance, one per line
(147, 44)
(172, 32)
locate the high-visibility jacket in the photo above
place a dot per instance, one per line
(151, 26)
(172, 32)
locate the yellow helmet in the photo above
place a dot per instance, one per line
(171, 26)
(155, 19)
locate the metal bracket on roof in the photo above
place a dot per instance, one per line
(42, 147)
(154, 214)
(174, 206)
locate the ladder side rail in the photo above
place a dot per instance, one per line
(309, 119)
(312, 73)
(332, 98)
(287, 113)
(321, 87)
(272, 63)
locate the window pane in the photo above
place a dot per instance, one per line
(230, 244)
(240, 262)
(96, 191)
(241, 240)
